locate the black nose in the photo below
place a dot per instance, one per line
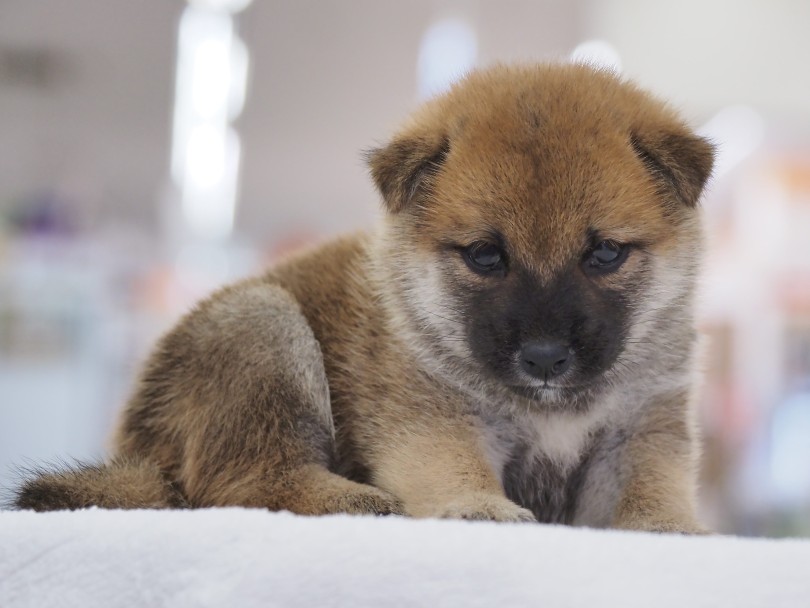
(545, 359)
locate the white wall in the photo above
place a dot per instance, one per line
(331, 78)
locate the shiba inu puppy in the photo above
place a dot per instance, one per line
(515, 342)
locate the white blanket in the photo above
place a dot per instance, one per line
(243, 558)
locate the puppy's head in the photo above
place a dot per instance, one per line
(542, 233)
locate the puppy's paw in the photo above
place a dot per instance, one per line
(663, 526)
(482, 506)
(370, 501)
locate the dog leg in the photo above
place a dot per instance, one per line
(235, 403)
(660, 469)
(443, 474)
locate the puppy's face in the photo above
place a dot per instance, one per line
(540, 217)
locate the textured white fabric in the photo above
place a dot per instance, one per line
(243, 558)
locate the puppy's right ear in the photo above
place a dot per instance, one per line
(405, 168)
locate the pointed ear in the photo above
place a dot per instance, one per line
(406, 167)
(681, 162)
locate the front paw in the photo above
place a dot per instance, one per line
(369, 501)
(488, 507)
(663, 526)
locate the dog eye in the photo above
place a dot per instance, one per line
(485, 258)
(606, 256)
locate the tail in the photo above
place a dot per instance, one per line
(119, 484)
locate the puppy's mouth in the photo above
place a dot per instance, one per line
(550, 390)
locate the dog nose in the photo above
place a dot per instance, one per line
(545, 360)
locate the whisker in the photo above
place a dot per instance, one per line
(435, 314)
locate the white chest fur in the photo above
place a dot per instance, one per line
(559, 437)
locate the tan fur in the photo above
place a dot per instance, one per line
(659, 493)
(344, 379)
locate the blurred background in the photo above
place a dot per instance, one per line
(152, 150)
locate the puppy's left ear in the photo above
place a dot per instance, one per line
(681, 162)
(405, 168)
